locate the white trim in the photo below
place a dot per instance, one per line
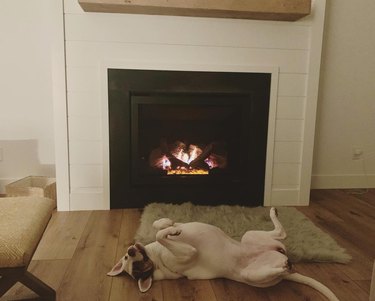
(105, 136)
(285, 197)
(145, 65)
(316, 43)
(152, 65)
(59, 105)
(271, 137)
(83, 199)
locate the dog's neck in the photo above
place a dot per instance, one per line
(153, 251)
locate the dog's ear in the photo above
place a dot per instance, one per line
(118, 268)
(144, 284)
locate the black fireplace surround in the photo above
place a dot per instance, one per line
(178, 136)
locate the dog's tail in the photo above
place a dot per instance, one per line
(296, 277)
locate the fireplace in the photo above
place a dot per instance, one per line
(178, 136)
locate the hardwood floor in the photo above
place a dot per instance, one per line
(79, 248)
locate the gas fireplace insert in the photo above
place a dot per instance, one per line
(178, 136)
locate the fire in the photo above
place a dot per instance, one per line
(166, 164)
(177, 158)
(185, 156)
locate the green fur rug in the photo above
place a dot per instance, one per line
(304, 242)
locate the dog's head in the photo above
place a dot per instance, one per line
(137, 264)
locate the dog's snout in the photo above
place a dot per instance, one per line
(131, 251)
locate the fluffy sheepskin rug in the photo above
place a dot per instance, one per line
(305, 241)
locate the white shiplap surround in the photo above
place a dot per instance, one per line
(96, 41)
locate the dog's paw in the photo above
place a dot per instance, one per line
(162, 223)
(273, 212)
(288, 266)
(175, 232)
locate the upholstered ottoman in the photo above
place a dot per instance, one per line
(22, 224)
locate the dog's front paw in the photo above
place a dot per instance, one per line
(175, 232)
(162, 223)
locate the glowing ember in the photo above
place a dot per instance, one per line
(184, 171)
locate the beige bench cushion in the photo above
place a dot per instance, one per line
(22, 223)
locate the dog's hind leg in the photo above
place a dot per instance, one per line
(279, 232)
(262, 277)
(266, 237)
(267, 268)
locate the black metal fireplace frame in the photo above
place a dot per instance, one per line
(126, 85)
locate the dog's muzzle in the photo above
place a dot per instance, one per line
(132, 251)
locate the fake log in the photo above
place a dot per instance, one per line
(199, 161)
(175, 162)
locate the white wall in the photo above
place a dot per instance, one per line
(346, 107)
(26, 119)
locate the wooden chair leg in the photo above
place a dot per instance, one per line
(10, 276)
(35, 284)
(372, 288)
(6, 283)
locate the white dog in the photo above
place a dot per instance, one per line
(201, 251)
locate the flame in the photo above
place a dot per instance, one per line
(185, 156)
(166, 164)
(194, 152)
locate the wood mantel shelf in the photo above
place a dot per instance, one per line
(278, 10)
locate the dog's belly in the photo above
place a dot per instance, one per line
(209, 267)
(217, 253)
(202, 272)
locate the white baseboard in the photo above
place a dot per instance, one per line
(342, 181)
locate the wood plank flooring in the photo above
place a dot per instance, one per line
(79, 248)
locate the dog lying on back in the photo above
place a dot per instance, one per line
(201, 251)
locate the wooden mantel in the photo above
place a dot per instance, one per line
(279, 10)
